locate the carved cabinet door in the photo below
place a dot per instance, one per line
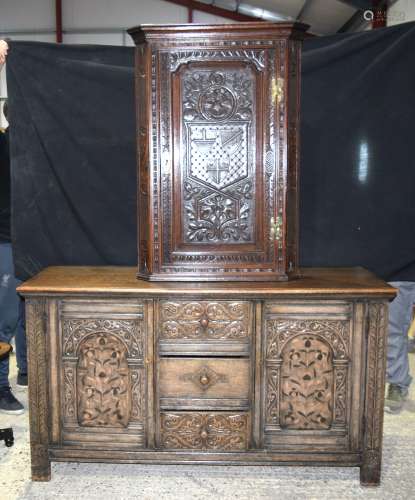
(218, 169)
(99, 367)
(312, 375)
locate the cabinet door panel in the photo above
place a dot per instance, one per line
(102, 372)
(309, 352)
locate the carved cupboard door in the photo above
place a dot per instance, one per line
(101, 373)
(312, 371)
(217, 151)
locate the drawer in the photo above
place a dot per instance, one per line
(204, 383)
(217, 327)
(205, 431)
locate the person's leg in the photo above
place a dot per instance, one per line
(397, 370)
(9, 310)
(8, 305)
(21, 348)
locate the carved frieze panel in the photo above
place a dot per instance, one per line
(204, 431)
(205, 320)
(257, 57)
(335, 332)
(75, 330)
(103, 382)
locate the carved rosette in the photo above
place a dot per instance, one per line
(205, 320)
(204, 378)
(307, 373)
(204, 431)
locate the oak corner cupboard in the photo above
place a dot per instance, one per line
(217, 126)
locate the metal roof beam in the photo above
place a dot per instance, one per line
(303, 10)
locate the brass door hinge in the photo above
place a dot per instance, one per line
(275, 232)
(278, 90)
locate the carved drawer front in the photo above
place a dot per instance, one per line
(102, 372)
(217, 327)
(218, 431)
(309, 352)
(204, 383)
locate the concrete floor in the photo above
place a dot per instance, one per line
(146, 482)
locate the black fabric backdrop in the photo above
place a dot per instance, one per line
(73, 153)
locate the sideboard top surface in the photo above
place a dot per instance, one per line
(110, 280)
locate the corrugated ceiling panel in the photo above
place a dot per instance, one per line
(289, 8)
(327, 16)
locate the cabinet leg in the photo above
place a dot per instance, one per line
(40, 463)
(38, 389)
(375, 388)
(370, 470)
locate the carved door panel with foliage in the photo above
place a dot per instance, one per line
(102, 373)
(312, 362)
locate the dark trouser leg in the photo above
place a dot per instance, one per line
(20, 339)
(9, 306)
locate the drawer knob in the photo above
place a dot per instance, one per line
(204, 322)
(204, 380)
(204, 434)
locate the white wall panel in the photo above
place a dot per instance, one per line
(95, 38)
(403, 11)
(3, 93)
(205, 18)
(119, 13)
(27, 14)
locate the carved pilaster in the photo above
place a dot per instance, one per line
(375, 389)
(38, 388)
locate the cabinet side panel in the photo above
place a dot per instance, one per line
(143, 85)
(293, 102)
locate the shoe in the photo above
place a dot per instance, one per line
(8, 403)
(21, 380)
(395, 398)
